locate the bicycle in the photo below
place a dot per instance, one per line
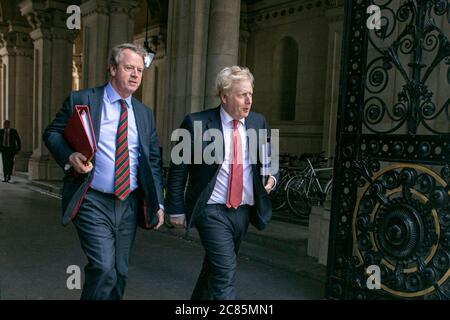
(306, 189)
(278, 196)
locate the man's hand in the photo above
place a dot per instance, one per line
(77, 160)
(160, 215)
(178, 222)
(269, 184)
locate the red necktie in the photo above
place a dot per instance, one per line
(122, 176)
(235, 178)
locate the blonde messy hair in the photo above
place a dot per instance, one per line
(229, 75)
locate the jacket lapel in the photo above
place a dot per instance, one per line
(95, 103)
(139, 117)
(251, 124)
(214, 122)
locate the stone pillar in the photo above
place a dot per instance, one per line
(3, 29)
(121, 21)
(243, 42)
(244, 35)
(16, 50)
(95, 20)
(335, 19)
(105, 24)
(153, 80)
(2, 93)
(53, 45)
(223, 43)
(187, 43)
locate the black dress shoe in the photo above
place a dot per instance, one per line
(4, 180)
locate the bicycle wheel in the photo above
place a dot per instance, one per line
(297, 200)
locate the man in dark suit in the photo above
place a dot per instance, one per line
(222, 196)
(107, 196)
(9, 147)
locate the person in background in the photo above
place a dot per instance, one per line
(9, 147)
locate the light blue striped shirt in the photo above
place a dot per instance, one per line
(104, 169)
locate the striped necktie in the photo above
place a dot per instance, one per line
(122, 165)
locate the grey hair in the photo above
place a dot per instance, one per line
(117, 50)
(227, 76)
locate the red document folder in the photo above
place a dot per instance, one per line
(79, 132)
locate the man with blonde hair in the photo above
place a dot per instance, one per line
(221, 198)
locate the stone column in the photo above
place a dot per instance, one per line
(335, 19)
(95, 20)
(121, 21)
(243, 42)
(16, 50)
(187, 45)
(153, 80)
(105, 24)
(2, 93)
(244, 35)
(53, 45)
(3, 29)
(223, 43)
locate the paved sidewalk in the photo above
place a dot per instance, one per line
(36, 251)
(281, 244)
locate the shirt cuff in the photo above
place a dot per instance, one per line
(161, 206)
(275, 182)
(177, 215)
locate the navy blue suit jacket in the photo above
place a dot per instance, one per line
(201, 178)
(76, 185)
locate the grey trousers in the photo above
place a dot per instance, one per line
(221, 231)
(106, 228)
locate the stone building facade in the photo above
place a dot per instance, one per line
(292, 48)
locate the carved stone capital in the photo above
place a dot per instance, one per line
(39, 19)
(94, 7)
(16, 43)
(125, 7)
(41, 33)
(44, 14)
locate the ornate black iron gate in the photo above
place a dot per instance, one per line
(391, 199)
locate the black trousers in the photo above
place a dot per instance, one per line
(8, 161)
(221, 231)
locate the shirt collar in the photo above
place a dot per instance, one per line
(226, 118)
(113, 96)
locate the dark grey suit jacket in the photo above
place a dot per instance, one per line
(76, 185)
(201, 178)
